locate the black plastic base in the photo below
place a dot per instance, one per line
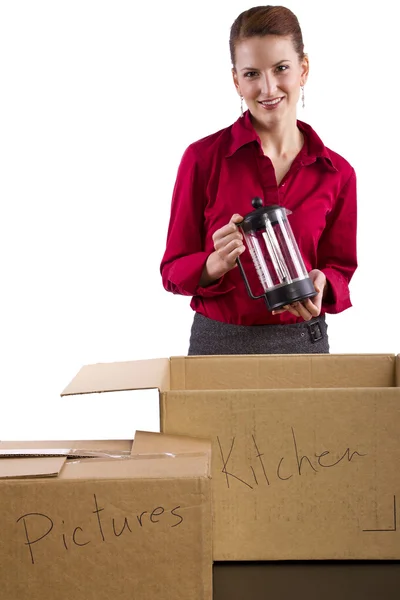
(287, 294)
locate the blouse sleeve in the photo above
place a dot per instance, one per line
(185, 255)
(337, 249)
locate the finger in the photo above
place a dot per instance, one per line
(314, 308)
(303, 312)
(293, 311)
(282, 310)
(227, 230)
(291, 308)
(316, 301)
(220, 243)
(232, 256)
(279, 311)
(319, 281)
(236, 218)
(227, 249)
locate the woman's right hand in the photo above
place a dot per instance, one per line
(228, 245)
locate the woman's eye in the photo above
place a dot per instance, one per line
(250, 74)
(282, 68)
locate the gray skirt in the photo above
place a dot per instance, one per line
(213, 337)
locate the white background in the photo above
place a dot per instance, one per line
(99, 99)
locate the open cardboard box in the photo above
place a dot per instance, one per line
(306, 450)
(89, 520)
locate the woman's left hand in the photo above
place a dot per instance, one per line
(311, 307)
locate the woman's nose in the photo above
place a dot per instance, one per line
(268, 85)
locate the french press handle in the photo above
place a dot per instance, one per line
(248, 288)
(256, 203)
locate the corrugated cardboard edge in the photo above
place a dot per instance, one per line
(207, 539)
(397, 382)
(120, 376)
(163, 411)
(36, 452)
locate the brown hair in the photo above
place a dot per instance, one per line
(266, 20)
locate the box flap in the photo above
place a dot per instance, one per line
(83, 446)
(281, 371)
(31, 467)
(155, 466)
(146, 442)
(118, 376)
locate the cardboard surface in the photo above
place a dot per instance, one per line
(130, 375)
(298, 474)
(109, 528)
(146, 442)
(238, 372)
(311, 581)
(31, 467)
(282, 371)
(134, 467)
(113, 446)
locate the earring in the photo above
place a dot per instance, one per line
(241, 106)
(302, 96)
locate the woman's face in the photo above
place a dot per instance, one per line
(268, 74)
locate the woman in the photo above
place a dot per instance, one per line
(268, 153)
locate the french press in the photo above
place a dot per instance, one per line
(275, 255)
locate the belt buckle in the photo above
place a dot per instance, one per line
(315, 331)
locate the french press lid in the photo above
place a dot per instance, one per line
(255, 220)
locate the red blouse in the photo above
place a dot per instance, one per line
(217, 177)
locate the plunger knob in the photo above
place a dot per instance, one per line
(257, 202)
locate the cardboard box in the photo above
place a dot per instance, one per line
(239, 372)
(104, 527)
(305, 448)
(314, 581)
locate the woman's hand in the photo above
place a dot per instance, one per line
(311, 307)
(228, 245)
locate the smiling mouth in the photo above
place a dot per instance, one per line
(273, 102)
